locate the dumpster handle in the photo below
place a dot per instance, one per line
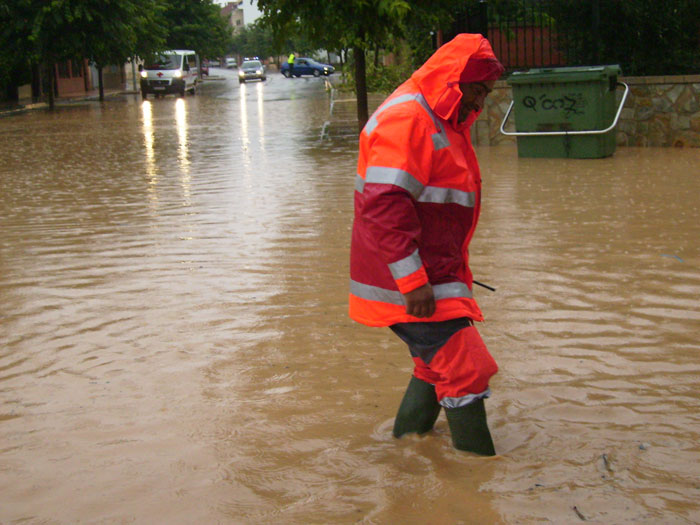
(549, 133)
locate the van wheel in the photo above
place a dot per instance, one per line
(182, 91)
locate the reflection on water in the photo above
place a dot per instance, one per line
(245, 138)
(181, 123)
(175, 345)
(148, 138)
(596, 328)
(259, 129)
(259, 97)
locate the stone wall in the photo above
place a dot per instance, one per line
(659, 111)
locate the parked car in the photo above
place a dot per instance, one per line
(231, 63)
(174, 71)
(307, 66)
(251, 70)
(214, 63)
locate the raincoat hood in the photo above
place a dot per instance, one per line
(438, 79)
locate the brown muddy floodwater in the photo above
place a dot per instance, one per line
(175, 346)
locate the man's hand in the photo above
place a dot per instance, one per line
(420, 302)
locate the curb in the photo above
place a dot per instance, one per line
(22, 109)
(67, 101)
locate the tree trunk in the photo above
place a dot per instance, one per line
(12, 89)
(36, 83)
(99, 80)
(52, 84)
(84, 68)
(361, 87)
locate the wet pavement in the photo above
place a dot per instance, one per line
(174, 344)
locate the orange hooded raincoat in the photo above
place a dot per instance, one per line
(417, 195)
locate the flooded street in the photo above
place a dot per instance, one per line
(175, 346)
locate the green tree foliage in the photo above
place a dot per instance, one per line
(359, 25)
(254, 40)
(16, 50)
(338, 24)
(385, 78)
(645, 37)
(34, 32)
(46, 32)
(119, 30)
(113, 31)
(423, 23)
(197, 25)
(258, 39)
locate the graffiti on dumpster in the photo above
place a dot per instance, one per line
(570, 103)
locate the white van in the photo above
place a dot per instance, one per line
(174, 71)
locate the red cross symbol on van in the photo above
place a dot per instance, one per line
(160, 74)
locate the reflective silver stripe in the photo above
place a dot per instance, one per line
(372, 123)
(447, 195)
(434, 194)
(406, 266)
(456, 402)
(440, 139)
(448, 290)
(374, 293)
(395, 176)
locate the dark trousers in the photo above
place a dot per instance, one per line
(452, 356)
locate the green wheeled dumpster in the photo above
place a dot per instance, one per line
(566, 112)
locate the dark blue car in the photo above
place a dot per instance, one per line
(307, 66)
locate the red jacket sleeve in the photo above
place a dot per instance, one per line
(397, 160)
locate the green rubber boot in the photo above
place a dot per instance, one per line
(419, 409)
(469, 429)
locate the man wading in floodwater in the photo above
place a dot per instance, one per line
(417, 200)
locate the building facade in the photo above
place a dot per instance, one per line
(233, 13)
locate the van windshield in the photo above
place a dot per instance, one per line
(165, 62)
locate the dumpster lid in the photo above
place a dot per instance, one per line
(564, 74)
